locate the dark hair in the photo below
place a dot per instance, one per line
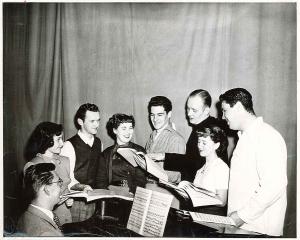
(36, 176)
(81, 112)
(115, 121)
(42, 138)
(203, 94)
(217, 135)
(241, 95)
(160, 101)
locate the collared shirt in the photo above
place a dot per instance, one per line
(258, 180)
(69, 151)
(214, 176)
(44, 210)
(167, 141)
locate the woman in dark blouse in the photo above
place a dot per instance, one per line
(113, 169)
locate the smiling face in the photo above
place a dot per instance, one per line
(159, 117)
(207, 146)
(123, 133)
(58, 144)
(196, 110)
(91, 122)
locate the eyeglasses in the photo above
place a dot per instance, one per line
(59, 182)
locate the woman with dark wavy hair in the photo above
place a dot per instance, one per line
(44, 146)
(113, 168)
(214, 175)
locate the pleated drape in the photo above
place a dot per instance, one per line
(118, 55)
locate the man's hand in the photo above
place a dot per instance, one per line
(235, 217)
(87, 188)
(157, 157)
(69, 202)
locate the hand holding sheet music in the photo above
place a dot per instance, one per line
(198, 196)
(139, 159)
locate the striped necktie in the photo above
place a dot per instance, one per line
(56, 220)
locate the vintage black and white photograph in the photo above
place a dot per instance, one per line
(139, 119)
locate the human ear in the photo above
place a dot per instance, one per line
(206, 110)
(169, 114)
(46, 190)
(79, 121)
(115, 131)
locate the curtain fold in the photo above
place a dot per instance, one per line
(58, 56)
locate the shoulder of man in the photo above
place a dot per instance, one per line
(108, 149)
(266, 131)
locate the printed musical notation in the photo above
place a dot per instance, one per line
(149, 212)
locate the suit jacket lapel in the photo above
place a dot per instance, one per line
(42, 215)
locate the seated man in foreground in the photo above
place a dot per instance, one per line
(44, 187)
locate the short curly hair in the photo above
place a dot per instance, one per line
(115, 121)
(160, 101)
(217, 135)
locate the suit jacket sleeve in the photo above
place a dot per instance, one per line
(177, 162)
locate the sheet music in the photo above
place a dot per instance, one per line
(128, 155)
(203, 217)
(198, 196)
(149, 212)
(144, 162)
(156, 217)
(139, 209)
(101, 193)
(155, 169)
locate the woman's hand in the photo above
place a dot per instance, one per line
(69, 202)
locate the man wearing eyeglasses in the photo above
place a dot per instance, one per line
(43, 187)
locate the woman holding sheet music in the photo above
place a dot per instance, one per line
(113, 169)
(214, 175)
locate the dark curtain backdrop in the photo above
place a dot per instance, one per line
(119, 55)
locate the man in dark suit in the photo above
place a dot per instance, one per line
(44, 189)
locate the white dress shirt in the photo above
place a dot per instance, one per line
(258, 180)
(69, 151)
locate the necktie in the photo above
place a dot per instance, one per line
(56, 220)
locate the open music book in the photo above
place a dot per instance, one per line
(149, 212)
(198, 196)
(139, 159)
(100, 193)
(203, 217)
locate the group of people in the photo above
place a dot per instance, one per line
(253, 187)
